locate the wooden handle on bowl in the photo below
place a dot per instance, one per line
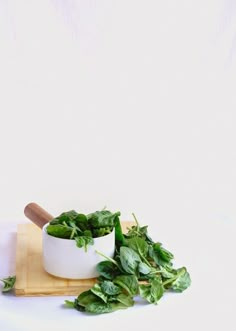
(37, 214)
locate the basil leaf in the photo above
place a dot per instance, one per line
(64, 217)
(85, 298)
(78, 306)
(84, 241)
(182, 282)
(125, 300)
(81, 222)
(8, 283)
(102, 218)
(97, 290)
(128, 282)
(144, 268)
(59, 231)
(167, 272)
(153, 291)
(100, 232)
(160, 255)
(139, 245)
(122, 302)
(119, 236)
(136, 231)
(129, 259)
(107, 269)
(109, 288)
(98, 307)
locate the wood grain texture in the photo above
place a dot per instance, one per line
(31, 278)
(37, 214)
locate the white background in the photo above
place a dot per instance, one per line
(129, 105)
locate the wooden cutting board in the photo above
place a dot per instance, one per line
(31, 278)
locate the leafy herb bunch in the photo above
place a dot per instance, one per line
(140, 267)
(82, 228)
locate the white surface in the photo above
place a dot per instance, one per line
(62, 258)
(129, 105)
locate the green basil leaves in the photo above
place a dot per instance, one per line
(140, 266)
(83, 228)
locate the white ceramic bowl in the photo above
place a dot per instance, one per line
(62, 258)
